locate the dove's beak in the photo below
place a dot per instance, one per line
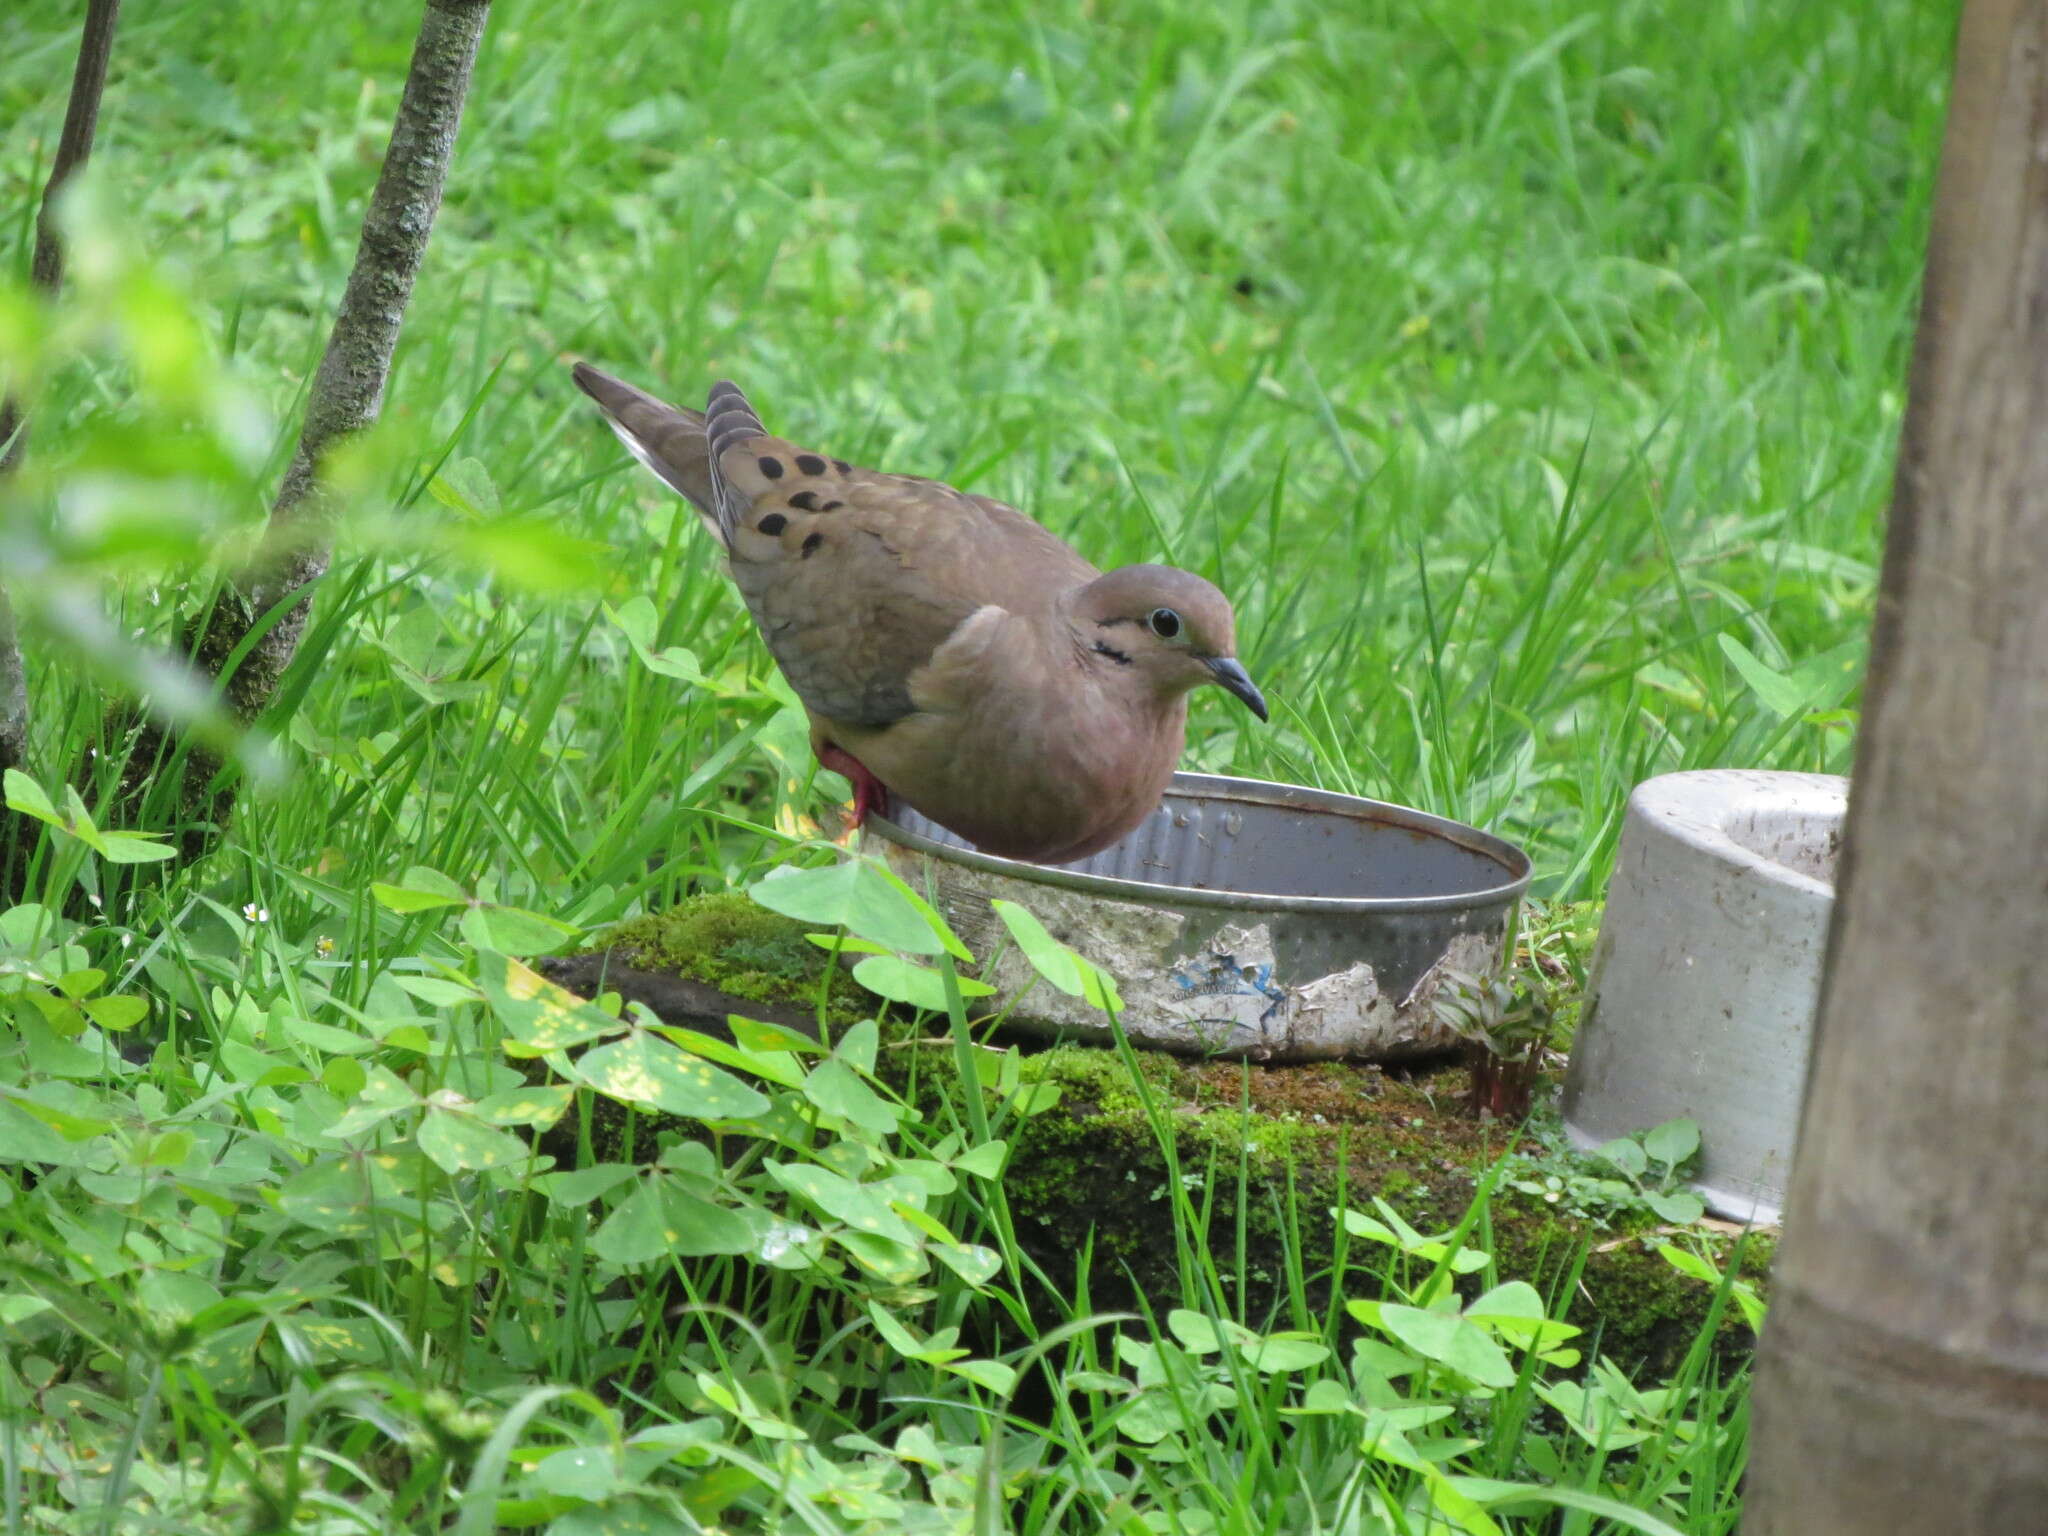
(1231, 676)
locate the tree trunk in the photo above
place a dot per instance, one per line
(1903, 1384)
(13, 702)
(74, 148)
(346, 397)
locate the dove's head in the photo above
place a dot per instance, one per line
(1166, 627)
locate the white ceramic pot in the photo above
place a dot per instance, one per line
(1707, 973)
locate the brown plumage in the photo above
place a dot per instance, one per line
(946, 646)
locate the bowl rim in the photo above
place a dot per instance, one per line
(1696, 807)
(1515, 863)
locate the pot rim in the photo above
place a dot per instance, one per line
(1515, 864)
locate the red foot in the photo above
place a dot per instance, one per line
(869, 792)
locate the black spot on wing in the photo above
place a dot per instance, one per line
(773, 524)
(770, 466)
(811, 544)
(810, 464)
(805, 501)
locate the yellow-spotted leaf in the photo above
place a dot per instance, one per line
(774, 1065)
(882, 1257)
(838, 1090)
(536, 1104)
(645, 1069)
(330, 1197)
(457, 1141)
(384, 1095)
(754, 1035)
(970, 1261)
(659, 1219)
(860, 1207)
(636, 1230)
(538, 1015)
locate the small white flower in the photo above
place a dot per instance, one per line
(255, 914)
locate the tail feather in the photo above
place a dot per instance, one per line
(728, 419)
(728, 422)
(668, 440)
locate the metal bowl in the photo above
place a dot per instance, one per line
(1242, 918)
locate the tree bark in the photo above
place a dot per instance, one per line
(74, 148)
(1903, 1379)
(347, 395)
(13, 701)
(348, 391)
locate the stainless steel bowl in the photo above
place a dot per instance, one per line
(1242, 918)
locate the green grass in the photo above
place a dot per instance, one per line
(1572, 344)
(1522, 372)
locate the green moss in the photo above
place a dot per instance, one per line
(725, 941)
(1089, 1176)
(1644, 1308)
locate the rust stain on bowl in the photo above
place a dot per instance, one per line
(1243, 918)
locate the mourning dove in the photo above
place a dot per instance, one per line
(948, 650)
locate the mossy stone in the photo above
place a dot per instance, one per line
(726, 941)
(1089, 1175)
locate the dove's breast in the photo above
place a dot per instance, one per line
(1019, 751)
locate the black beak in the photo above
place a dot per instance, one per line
(1230, 675)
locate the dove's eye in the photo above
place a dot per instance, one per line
(1165, 623)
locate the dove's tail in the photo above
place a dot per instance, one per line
(728, 419)
(728, 422)
(668, 440)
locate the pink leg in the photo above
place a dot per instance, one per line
(869, 793)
